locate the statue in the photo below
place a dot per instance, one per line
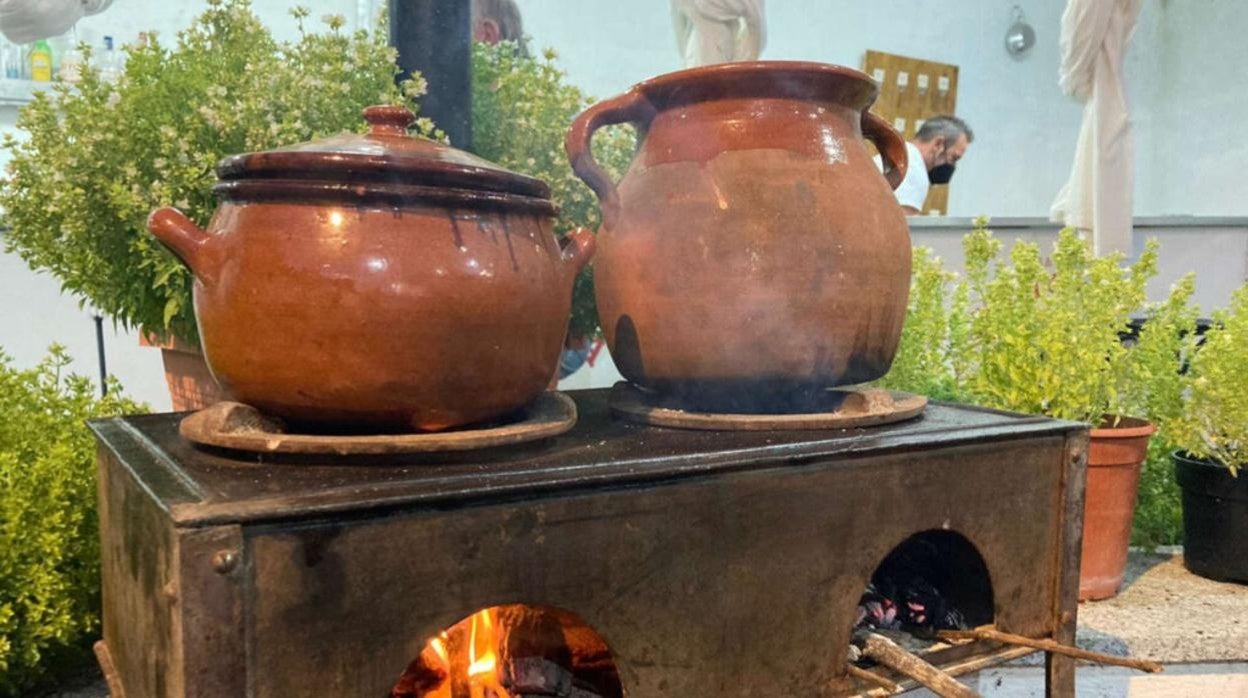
(719, 31)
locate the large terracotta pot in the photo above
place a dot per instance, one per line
(378, 281)
(753, 243)
(191, 385)
(1114, 457)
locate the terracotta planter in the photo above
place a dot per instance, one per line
(378, 281)
(191, 385)
(1114, 458)
(1215, 519)
(753, 245)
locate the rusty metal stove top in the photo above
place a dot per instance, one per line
(202, 486)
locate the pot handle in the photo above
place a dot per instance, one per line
(891, 146)
(578, 247)
(628, 107)
(183, 238)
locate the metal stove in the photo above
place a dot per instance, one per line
(710, 563)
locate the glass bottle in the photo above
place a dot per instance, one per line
(41, 61)
(108, 61)
(11, 54)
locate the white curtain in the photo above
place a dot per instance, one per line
(1097, 198)
(24, 21)
(719, 31)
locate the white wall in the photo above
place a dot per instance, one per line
(1024, 126)
(1200, 150)
(126, 18)
(1183, 73)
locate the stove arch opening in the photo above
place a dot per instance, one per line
(932, 580)
(513, 650)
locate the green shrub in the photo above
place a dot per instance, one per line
(49, 544)
(1017, 334)
(1213, 424)
(522, 107)
(1026, 336)
(934, 334)
(1166, 341)
(1048, 341)
(100, 157)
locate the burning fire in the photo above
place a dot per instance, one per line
(483, 658)
(473, 673)
(511, 650)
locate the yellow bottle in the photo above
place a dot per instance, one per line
(41, 62)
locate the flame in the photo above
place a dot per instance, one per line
(474, 665)
(481, 640)
(483, 657)
(439, 648)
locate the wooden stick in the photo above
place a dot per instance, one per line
(108, 669)
(874, 678)
(1049, 646)
(890, 654)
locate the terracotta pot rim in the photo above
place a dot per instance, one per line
(747, 77)
(1129, 428)
(170, 343)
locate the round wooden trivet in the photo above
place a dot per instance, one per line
(858, 408)
(240, 427)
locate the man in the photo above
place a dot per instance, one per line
(935, 150)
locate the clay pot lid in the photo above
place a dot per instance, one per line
(386, 161)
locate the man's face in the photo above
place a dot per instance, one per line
(945, 154)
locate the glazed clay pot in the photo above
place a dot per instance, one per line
(753, 244)
(378, 281)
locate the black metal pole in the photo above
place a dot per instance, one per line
(99, 345)
(434, 37)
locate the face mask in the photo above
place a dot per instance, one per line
(941, 174)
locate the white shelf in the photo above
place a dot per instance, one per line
(15, 93)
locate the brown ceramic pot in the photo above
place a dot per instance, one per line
(753, 242)
(1114, 457)
(378, 281)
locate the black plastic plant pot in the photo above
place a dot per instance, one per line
(1215, 519)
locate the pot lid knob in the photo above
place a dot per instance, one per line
(387, 120)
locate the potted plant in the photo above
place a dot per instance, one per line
(522, 106)
(49, 544)
(1022, 336)
(101, 156)
(1211, 433)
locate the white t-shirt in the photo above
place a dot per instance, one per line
(913, 189)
